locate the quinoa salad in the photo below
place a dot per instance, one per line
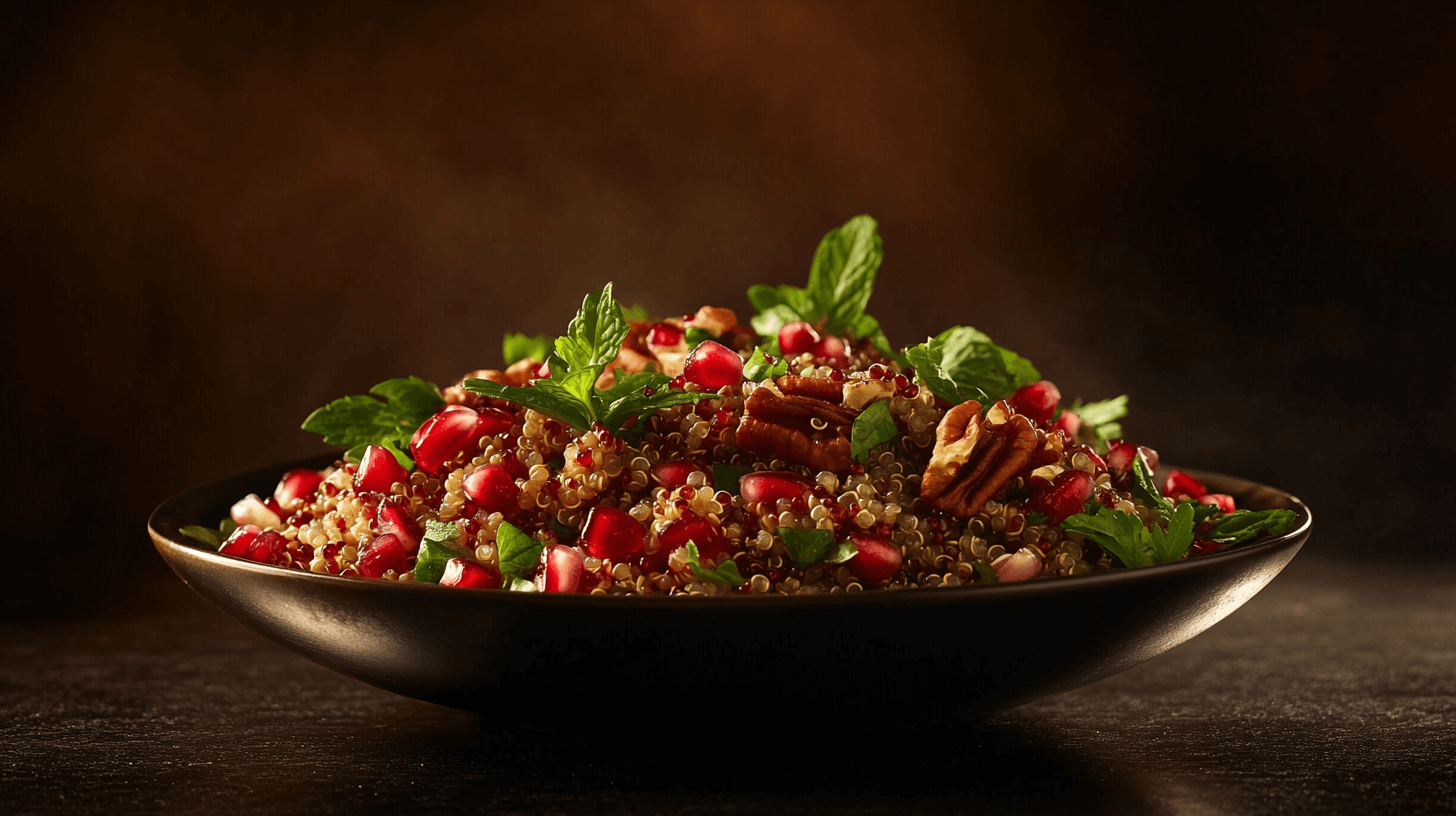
(697, 455)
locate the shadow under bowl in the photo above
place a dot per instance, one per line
(996, 646)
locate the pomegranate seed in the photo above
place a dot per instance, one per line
(494, 422)
(1205, 547)
(492, 489)
(584, 459)
(385, 552)
(1068, 423)
(297, 485)
(444, 435)
(879, 372)
(910, 391)
(611, 533)
(1018, 566)
(722, 418)
(1119, 459)
(713, 365)
(542, 372)
(901, 382)
(1179, 483)
(240, 541)
(664, 334)
(1037, 401)
(1068, 492)
(834, 351)
(378, 469)
(876, 560)
(674, 474)
(268, 547)
(564, 568)
(771, 485)
(462, 572)
(253, 510)
(396, 519)
(796, 338)
(691, 527)
(677, 382)
(1223, 501)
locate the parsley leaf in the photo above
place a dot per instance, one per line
(436, 550)
(517, 347)
(1245, 525)
(517, 552)
(726, 573)
(1134, 543)
(363, 420)
(806, 546)
(962, 364)
(1146, 489)
(874, 426)
(758, 368)
(1170, 543)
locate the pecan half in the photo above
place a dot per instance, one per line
(975, 457)
(797, 427)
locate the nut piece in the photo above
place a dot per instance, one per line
(810, 430)
(975, 458)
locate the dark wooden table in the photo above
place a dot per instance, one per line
(1333, 691)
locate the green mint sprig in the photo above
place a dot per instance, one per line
(726, 573)
(758, 368)
(517, 347)
(403, 404)
(592, 341)
(841, 280)
(517, 553)
(962, 363)
(806, 546)
(874, 426)
(436, 549)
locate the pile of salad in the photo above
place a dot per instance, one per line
(797, 453)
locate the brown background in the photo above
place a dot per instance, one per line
(216, 220)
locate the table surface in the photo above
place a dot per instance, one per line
(1333, 691)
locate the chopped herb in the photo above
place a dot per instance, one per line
(517, 347)
(758, 369)
(1036, 518)
(1101, 418)
(1146, 489)
(986, 573)
(726, 573)
(842, 552)
(390, 421)
(436, 550)
(696, 334)
(1245, 525)
(1133, 542)
(874, 426)
(208, 536)
(517, 552)
(806, 546)
(725, 477)
(962, 364)
(521, 585)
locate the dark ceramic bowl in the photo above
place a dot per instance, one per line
(976, 648)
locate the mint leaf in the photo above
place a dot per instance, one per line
(1121, 534)
(517, 347)
(725, 477)
(1246, 525)
(206, 536)
(594, 336)
(436, 550)
(928, 371)
(842, 275)
(361, 420)
(874, 426)
(637, 403)
(963, 363)
(758, 368)
(1146, 489)
(694, 335)
(986, 573)
(521, 585)
(778, 306)
(636, 313)
(726, 573)
(552, 401)
(842, 552)
(1102, 412)
(806, 546)
(517, 552)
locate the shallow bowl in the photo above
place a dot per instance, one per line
(962, 650)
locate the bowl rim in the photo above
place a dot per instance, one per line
(172, 546)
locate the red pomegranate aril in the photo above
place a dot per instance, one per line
(240, 541)
(378, 470)
(796, 338)
(1120, 454)
(691, 527)
(384, 553)
(253, 510)
(268, 547)
(611, 533)
(396, 519)
(674, 474)
(585, 459)
(771, 485)
(296, 485)
(564, 569)
(444, 435)
(1098, 463)
(1068, 492)
(1179, 483)
(1223, 501)
(833, 349)
(713, 365)
(1068, 423)
(462, 572)
(664, 334)
(1036, 401)
(492, 489)
(494, 422)
(876, 560)
(1021, 565)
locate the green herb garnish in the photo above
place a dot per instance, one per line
(962, 364)
(389, 422)
(758, 369)
(592, 341)
(874, 426)
(725, 477)
(842, 552)
(726, 573)
(806, 546)
(208, 536)
(1133, 542)
(517, 552)
(636, 313)
(1101, 418)
(436, 550)
(986, 573)
(517, 347)
(1245, 525)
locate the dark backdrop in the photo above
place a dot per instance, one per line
(216, 220)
